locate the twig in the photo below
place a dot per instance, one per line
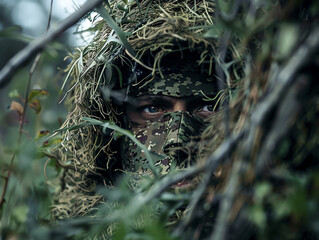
(287, 86)
(66, 166)
(26, 100)
(220, 230)
(212, 163)
(37, 45)
(288, 110)
(220, 156)
(281, 81)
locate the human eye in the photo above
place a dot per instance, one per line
(205, 110)
(151, 109)
(147, 108)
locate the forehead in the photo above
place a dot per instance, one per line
(177, 74)
(176, 82)
(163, 99)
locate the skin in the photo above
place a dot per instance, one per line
(152, 107)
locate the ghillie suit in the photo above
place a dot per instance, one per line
(264, 148)
(99, 72)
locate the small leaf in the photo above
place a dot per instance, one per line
(213, 32)
(41, 134)
(36, 92)
(287, 39)
(14, 94)
(121, 34)
(262, 190)
(20, 213)
(117, 135)
(17, 107)
(50, 142)
(120, 75)
(35, 105)
(14, 32)
(258, 216)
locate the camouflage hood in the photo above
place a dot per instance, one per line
(168, 26)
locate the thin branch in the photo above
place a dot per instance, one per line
(283, 81)
(50, 15)
(37, 45)
(61, 164)
(231, 189)
(212, 163)
(289, 108)
(26, 101)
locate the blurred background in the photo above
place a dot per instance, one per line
(285, 205)
(21, 21)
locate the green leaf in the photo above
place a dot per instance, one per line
(35, 105)
(20, 213)
(262, 190)
(287, 39)
(120, 233)
(91, 121)
(13, 32)
(37, 92)
(51, 141)
(119, 73)
(42, 133)
(173, 197)
(67, 76)
(258, 216)
(282, 208)
(14, 94)
(120, 33)
(213, 32)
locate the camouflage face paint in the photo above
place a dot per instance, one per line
(164, 138)
(176, 83)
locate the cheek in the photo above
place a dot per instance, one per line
(204, 114)
(150, 116)
(142, 116)
(132, 115)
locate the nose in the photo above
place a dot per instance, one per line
(177, 129)
(179, 105)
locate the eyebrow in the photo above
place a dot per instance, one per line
(153, 99)
(191, 101)
(150, 98)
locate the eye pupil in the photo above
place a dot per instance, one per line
(210, 108)
(207, 108)
(152, 109)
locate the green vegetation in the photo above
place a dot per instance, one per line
(259, 170)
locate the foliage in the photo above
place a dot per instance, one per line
(260, 180)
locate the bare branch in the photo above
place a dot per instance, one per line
(37, 45)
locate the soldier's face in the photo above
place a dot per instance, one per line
(164, 124)
(153, 107)
(167, 114)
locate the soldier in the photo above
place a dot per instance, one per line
(166, 112)
(164, 94)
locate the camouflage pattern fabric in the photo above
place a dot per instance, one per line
(164, 139)
(176, 81)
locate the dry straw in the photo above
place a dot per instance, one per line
(151, 26)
